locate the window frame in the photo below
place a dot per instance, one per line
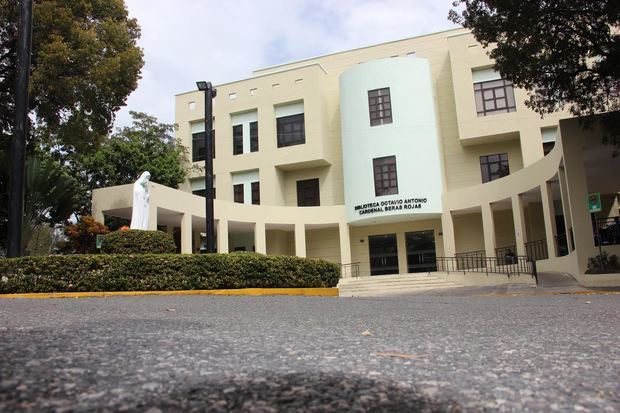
(379, 104)
(237, 131)
(507, 91)
(254, 136)
(294, 137)
(255, 186)
(379, 169)
(303, 187)
(486, 163)
(199, 151)
(238, 196)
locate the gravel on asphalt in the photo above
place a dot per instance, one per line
(264, 354)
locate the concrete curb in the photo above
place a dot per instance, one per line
(533, 293)
(311, 292)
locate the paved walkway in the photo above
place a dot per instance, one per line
(267, 354)
(548, 284)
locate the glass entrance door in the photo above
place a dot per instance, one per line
(383, 254)
(421, 251)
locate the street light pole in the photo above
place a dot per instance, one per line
(18, 144)
(210, 93)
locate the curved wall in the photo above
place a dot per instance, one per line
(412, 138)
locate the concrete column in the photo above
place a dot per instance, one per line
(345, 243)
(260, 240)
(447, 228)
(222, 236)
(300, 240)
(577, 188)
(401, 244)
(518, 217)
(531, 145)
(186, 234)
(152, 218)
(488, 227)
(549, 216)
(565, 207)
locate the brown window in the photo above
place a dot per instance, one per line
(203, 193)
(238, 191)
(308, 193)
(547, 147)
(493, 167)
(253, 136)
(494, 96)
(198, 146)
(386, 181)
(255, 193)
(380, 106)
(237, 139)
(291, 130)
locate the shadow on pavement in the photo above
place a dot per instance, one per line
(300, 392)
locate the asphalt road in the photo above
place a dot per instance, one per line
(267, 354)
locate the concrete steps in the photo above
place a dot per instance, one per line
(391, 285)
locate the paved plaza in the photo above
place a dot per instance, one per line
(425, 352)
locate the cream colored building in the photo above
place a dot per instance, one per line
(386, 157)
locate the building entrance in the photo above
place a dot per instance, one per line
(383, 254)
(421, 251)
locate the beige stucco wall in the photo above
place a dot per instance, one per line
(468, 232)
(280, 242)
(323, 243)
(535, 223)
(504, 228)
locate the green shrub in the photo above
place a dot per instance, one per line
(163, 272)
(610, 263)
(135, 241)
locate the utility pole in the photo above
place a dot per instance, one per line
(18, 144)
(210, 93)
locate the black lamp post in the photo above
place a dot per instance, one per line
(18, 145)
(210, 93)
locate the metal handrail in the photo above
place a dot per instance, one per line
(352, 269)
(537, 250)
(510, 265)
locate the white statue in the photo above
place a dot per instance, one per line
(140, 210)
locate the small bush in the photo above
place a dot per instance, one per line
(81, 236)
(162, 272)
(611, 264)
(135, 241)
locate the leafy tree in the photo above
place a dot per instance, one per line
(146, 145)
(85, 62)
(565, 53)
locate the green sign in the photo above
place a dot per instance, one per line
(594, 202)
(98, 241)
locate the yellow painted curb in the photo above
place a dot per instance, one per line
(314, 292)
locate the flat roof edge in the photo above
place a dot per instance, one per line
(362, 47)
(262, 75)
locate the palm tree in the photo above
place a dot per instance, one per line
(51, 195)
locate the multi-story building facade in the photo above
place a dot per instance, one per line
(387, 156)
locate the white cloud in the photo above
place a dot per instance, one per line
(222, 41)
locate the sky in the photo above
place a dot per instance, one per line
(225, 40)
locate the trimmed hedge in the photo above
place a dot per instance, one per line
(163, 272)
(136, 241)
